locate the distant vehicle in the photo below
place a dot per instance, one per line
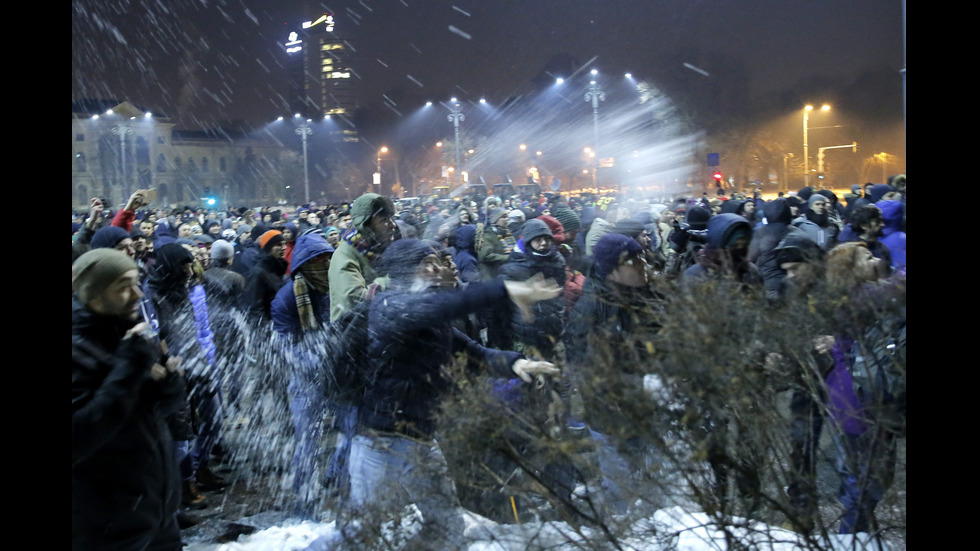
(441, 192)
(526, 191)
(504, 189)
(475, 192)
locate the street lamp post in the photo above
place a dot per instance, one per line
(595, 95)
(384, 149)
(377, 174)
(304, 131)
(806, 146)
(457, 117)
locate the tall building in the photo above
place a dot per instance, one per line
(320, 74)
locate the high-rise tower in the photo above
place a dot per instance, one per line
(320, 73)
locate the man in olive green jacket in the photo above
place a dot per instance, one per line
(372, 229)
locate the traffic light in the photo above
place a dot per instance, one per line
(717, 176)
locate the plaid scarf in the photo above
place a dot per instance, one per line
(309, 275)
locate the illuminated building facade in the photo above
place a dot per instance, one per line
(321, 79)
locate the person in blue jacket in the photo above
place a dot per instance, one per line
(301, 307)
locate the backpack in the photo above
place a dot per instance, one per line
(346, 373)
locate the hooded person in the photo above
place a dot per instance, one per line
(465, 255)
(685, 240)
(299, 310)
(539, 255)
(765, 238)
(395, 460)
(182, 323)
(726, 252)
(880, 192)
(893, 215)
(372, 229)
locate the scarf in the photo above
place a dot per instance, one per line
(309, 275)
(362, 242)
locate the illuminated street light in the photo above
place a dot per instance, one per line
(457, 117)
(384, 149)
(304, 131)
(377, 175)
(806, 146)
(595, 95)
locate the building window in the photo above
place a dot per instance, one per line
(222, 165)
(80, 164)
(204, 164)
(161, 163)
(79, 137)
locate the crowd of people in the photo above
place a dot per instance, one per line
(554, 302)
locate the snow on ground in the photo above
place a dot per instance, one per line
(672, 529)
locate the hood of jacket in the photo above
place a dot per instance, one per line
(308, 247)
(169, 277)
(466, 237)
(891, 212)
(366, 206)
(778, 211)
(722, 226)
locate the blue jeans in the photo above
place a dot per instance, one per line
(346, 423)
(615, 469)
(390, 472)
(308, 407)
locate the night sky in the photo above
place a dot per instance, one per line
(210, 62)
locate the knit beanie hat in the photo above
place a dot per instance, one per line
(697, 218)
(495, 215)
(108, 237)
(93, 272)
(222, 250)
(568, 218)
(877, 192)
(534, 228)
(515, 216)
(816, 198)
(270, 239)
(611, 250)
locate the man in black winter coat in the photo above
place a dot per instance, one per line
(125, 489)
(395, 459)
